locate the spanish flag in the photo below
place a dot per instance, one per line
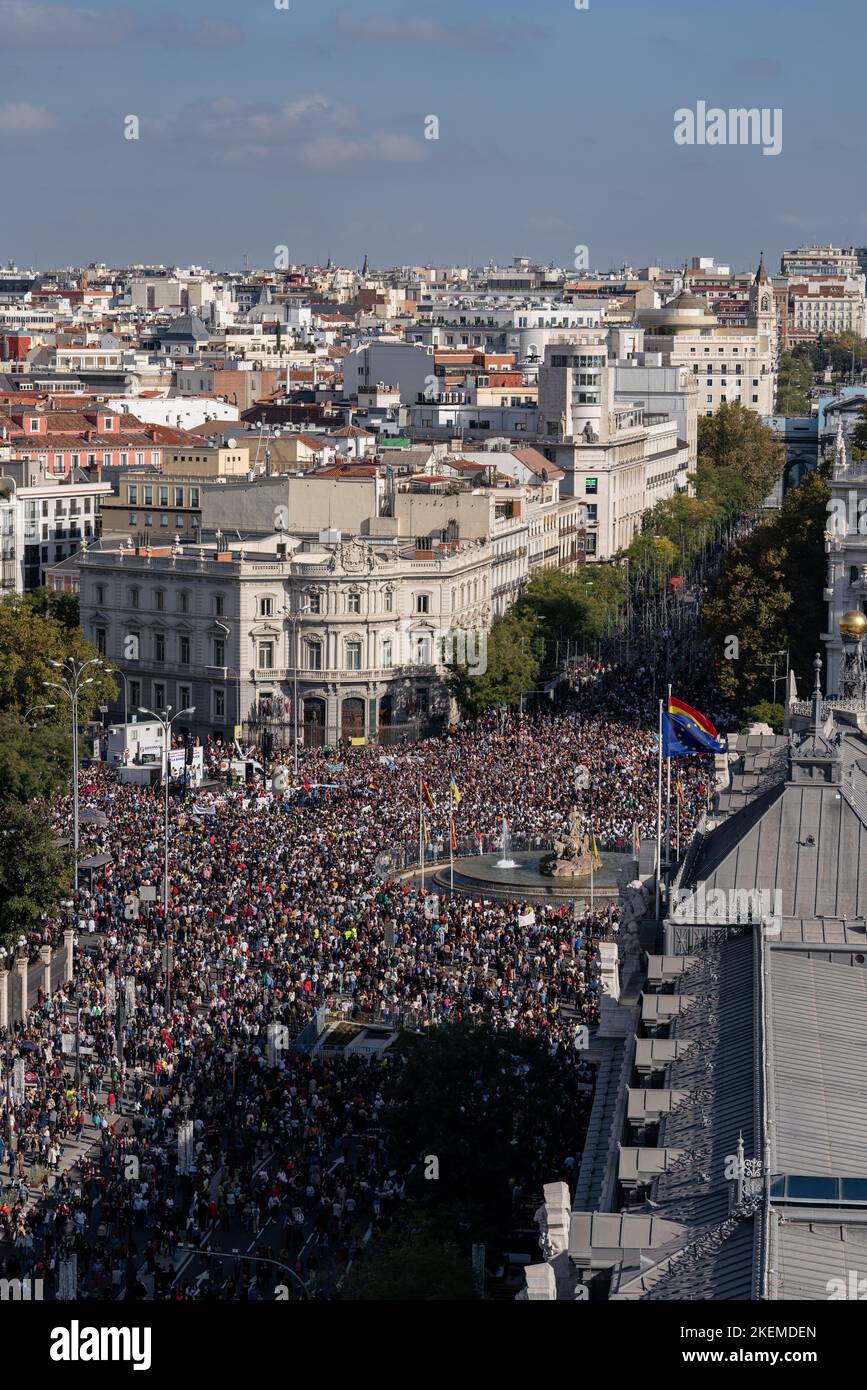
(426, 831)
(685, 730)
(454, 786)
(679, 791)
(678, 709)
(425, 791)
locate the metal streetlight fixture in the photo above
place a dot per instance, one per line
(70, 684)
(165, 722)
(32, 708)
(293, 618)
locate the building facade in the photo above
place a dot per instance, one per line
(365, 627)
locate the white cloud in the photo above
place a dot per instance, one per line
(24, 24)
(310, 131)
(21, 118)
(27, 24)
(388, 29)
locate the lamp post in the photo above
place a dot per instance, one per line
(165, 722)
(70, 683)
(294, 618)
(32, 708)
(117, 672)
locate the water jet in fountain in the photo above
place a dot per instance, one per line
(506, 862)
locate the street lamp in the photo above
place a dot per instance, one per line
(165, 722)
(293, 618)
(38, 706)
(116, 671)
(70, 684)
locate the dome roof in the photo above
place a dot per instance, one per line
(687, 301)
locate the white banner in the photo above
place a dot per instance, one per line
(185, 1147)
(67, 1278)
(18, 1080)
(527, 919)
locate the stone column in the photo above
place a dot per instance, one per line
(4, 997)
(45, 953)
(68, 938)
(23, 967)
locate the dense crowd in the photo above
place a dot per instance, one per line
(282, 911)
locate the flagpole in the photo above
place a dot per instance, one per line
(659, 819)
(668, 800)
(420, 831)
(452, 847)
(678, 822)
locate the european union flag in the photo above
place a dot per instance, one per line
(680, 738)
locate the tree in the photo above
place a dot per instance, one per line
(572, 607)
(411, 1262)
(794, 382)
(845, 351)
(34, 871)
(29, 641)
(768, 594)
(35, 761)
(482, 1101)
(764, 713)
(52, 603)
(734, 440)
(859, 434)
(514, 657)
(686, 522)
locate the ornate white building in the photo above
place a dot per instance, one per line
(846, 548)
(364, 626)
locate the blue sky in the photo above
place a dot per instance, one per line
(305, 126)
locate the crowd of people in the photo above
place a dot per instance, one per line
(188, 1032)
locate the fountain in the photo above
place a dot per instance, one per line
(506, 845)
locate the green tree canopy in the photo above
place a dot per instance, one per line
(34, 872)
(29, 641)
(734, 441)
(768, 594)
(794, 381)
(35, 759)
(514, 661)
(52, 603)
(764, 713)
(411, 1262)
(859, 434)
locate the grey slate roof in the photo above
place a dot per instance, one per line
(817, 1049)
(806, 1255)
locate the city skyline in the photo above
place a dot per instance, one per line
(304, 127)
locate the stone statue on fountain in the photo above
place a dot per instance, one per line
(573, 856)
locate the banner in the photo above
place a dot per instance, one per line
(18, 1080)
(185, 1147)
(67, 1278)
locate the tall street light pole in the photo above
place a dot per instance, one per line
(70, 684)
(165, 722)
(294, 618)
